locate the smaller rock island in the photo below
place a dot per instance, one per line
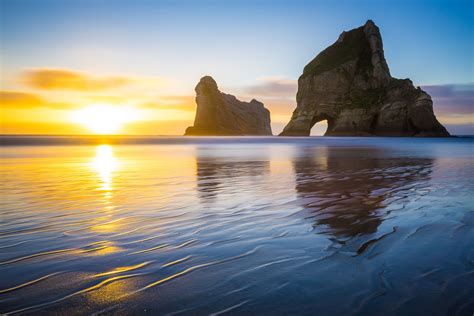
(221, 114)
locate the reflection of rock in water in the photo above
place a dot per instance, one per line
(216, 175)
(346, 189)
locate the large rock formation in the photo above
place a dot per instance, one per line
(349, 85)
(222, 114)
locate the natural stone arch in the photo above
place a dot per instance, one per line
(302, 122)
(350, 81)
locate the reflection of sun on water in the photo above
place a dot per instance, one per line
(109, 226)
(111, 292)
(105, 164)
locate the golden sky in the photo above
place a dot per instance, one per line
(66, 101)
(131, 67)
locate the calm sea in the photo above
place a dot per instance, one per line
(245, 226)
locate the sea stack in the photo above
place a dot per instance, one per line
(349, 85)
(223, 114)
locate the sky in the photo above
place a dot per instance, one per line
(130, 67)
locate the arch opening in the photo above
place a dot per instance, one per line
(320, 125)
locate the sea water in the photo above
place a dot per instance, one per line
(250, 225)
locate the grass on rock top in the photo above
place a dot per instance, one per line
(353, 46)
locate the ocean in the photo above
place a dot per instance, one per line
(237, 225)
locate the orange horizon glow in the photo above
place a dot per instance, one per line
(46, 101)
(105, 119)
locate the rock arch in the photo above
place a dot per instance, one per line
(350, 85)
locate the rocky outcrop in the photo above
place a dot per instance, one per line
(223, 114)
(349, 85)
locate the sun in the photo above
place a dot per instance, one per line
(105, 118)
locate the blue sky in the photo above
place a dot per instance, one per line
(237, 42)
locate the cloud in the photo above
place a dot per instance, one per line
(15, 99)
(171, 102)
(65, 79)
(454, 106)
(452, 99)
(277, 94)
(274, 87)
(449, 90)
(26, 100)
(456, 119)
(107, 99)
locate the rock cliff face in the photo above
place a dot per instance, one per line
(222, 114)
(349, 85)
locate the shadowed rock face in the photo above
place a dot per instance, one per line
(222, 114)
(349, 85)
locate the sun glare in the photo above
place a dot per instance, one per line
(105, 118)
(105, 164)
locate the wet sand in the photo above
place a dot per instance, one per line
(327, 226)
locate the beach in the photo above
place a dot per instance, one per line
(244, 225)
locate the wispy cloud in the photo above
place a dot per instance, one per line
(162, 109)
(18, 99)
(460, 90)
(275, 87)
(454, 106)
(452, 98)
(66, 79)
(174, 102)
(27, 100)
(278, 95)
